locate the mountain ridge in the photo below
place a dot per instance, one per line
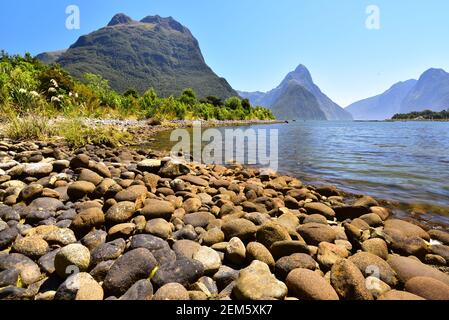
(429, 92)
(303, 78)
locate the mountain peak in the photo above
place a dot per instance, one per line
(301, 74)
(433, 72)
(120, 18)
(169, 22)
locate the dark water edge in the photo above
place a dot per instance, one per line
(404, 165)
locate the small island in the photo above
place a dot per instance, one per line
(426, 115)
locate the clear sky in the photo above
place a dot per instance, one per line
(255, 43)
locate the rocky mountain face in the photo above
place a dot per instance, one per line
(298, 97)
(430, 92)
(382, 106)
(154, 52)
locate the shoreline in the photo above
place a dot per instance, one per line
(139, 225)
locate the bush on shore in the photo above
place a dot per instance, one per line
(27, 86)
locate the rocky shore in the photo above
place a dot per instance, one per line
(130, 224)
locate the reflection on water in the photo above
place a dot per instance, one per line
(405, 162)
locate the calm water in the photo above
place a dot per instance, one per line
(404, 162)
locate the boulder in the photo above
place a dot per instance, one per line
(306, 284)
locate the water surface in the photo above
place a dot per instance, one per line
(404, 162)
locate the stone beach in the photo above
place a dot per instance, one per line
(132, 224)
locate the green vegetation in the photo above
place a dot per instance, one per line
(423, 115)
(29, 87)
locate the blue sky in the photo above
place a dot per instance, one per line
(255, 43)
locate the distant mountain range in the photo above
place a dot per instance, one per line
(298, 98)
(431, 92)
(154, 52)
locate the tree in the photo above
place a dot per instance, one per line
(188, 96)
(131, 92)
(233, 103)
(246, 104)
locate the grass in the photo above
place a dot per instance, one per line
(75, 133)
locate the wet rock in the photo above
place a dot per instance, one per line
(108, 251)
(120, 212)
(366, 201)
(350, 212)
(80, 286)
(158, 209)
(133, 266)
(241, 228)
(428, 288)
(370, 265)
(441, 250)
(306, 284)
(73, 257)
(372, 219)
(314, 233)
(182, 271)
(298, 260)
(348, 281)
(171, 291)
(33, 247)
(439, 235)
(407, 268)
(434, 259)
(257, 283)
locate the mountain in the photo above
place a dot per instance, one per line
(308, 103)
(430, 92)
(383, 106)
(50, 57)
(154, 52)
